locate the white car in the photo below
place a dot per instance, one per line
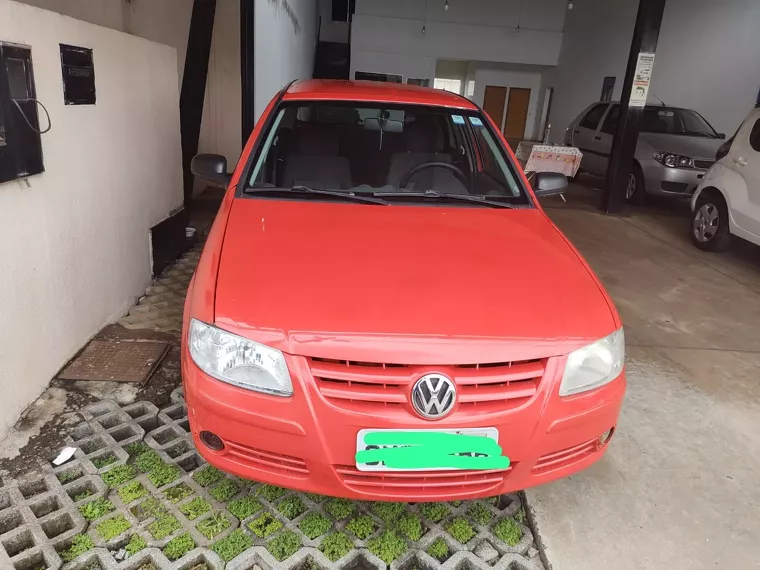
(728, 199)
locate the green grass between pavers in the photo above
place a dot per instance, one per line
(362, 526)
(316, 498)
(292, 507)
(131, 492)
(104, 460)
(507, 530)
(112, 528)
(244, 507)
(232, 545)
(208, 475)
(434, 512)
(84, 495)
(178, 546)
(336, 545)
(339, 508)
(460, 529)
(69, 476)
(213, 526)
(96, 509)
(270, 492)
(136, 544)
(80, 544)
(164, 474)
(314, 525)
(164, 526)
(438, 550)
(264, 525)
(148, 460)
(479, 513)
(521, 516)
(195, 508)
(388, 511)
(118, 475)
(411, 527)
(175, 494)
(387, 547)
(137, 448)
(455, 503)
(224, 491)
(149, 508)
(285, 545)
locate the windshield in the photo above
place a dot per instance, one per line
(676, 122)
(384, 150)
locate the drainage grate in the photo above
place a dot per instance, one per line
(116, 361)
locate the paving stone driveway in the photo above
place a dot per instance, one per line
(138, 496)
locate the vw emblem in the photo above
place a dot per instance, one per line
(434, 396)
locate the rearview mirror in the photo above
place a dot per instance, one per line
(211, 168)
(549, 184)
(722, 136)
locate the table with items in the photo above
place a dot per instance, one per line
(549, 158)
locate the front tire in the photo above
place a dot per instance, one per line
(635, 192)
(709, 222)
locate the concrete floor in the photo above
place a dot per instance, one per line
(680, 485)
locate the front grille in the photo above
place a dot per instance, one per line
(415, 484)
(364, 386)
(704, 164)
(559, 459)
(267, 460)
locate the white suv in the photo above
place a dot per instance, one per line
(728, 199)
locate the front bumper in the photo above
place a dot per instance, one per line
(306, 442)
(673, 182)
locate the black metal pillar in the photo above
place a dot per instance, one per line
(247, 67)
(645, 35)
(194, 85)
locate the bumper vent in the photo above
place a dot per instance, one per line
(559, 459)
(267, 460)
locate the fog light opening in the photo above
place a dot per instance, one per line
(605, 438)
(212, 441)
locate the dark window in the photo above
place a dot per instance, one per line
(343, 10)
(420, 82)
(20, 144)
(78, 75)
(754, 136)
(592, 118)
(610, 124)
(672, 121)
(382, 77)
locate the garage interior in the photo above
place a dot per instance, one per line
(677, 488)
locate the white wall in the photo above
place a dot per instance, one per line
(511, 76)
(108, 13)
(74, 247)
(483, 30)
(415, 66)
(329, 30)
(286, 30)
(707, 58)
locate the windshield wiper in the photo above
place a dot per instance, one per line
(433, 195)
(300, 189)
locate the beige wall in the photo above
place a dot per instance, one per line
(74, 244)
(108, 13)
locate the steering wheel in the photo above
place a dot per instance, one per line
(454, 169)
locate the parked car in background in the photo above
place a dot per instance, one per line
(728, 199)
(675, 149)
(383, 310)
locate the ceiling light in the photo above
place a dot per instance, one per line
(446, 5)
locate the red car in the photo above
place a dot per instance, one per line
(380, 277)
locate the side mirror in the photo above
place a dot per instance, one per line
(211, 168)
(549, 184)
(722, 136)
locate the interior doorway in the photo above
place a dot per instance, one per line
(517, 115)
(493, 103)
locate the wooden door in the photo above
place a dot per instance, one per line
(493, 103)
(517, 113)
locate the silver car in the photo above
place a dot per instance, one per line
(675, 149)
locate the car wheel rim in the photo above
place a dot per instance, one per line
(630, 190)
(706, 222)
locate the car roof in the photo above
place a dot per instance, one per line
(653, 106)
(374, 91)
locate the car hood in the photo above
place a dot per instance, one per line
(693, 147)
(405, 284)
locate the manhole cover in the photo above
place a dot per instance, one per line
(116, 361)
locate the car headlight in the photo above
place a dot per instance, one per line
(594, 365)
(673, 160)
(239, 361)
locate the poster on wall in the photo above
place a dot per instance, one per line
(608, 86)
(641, 80)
